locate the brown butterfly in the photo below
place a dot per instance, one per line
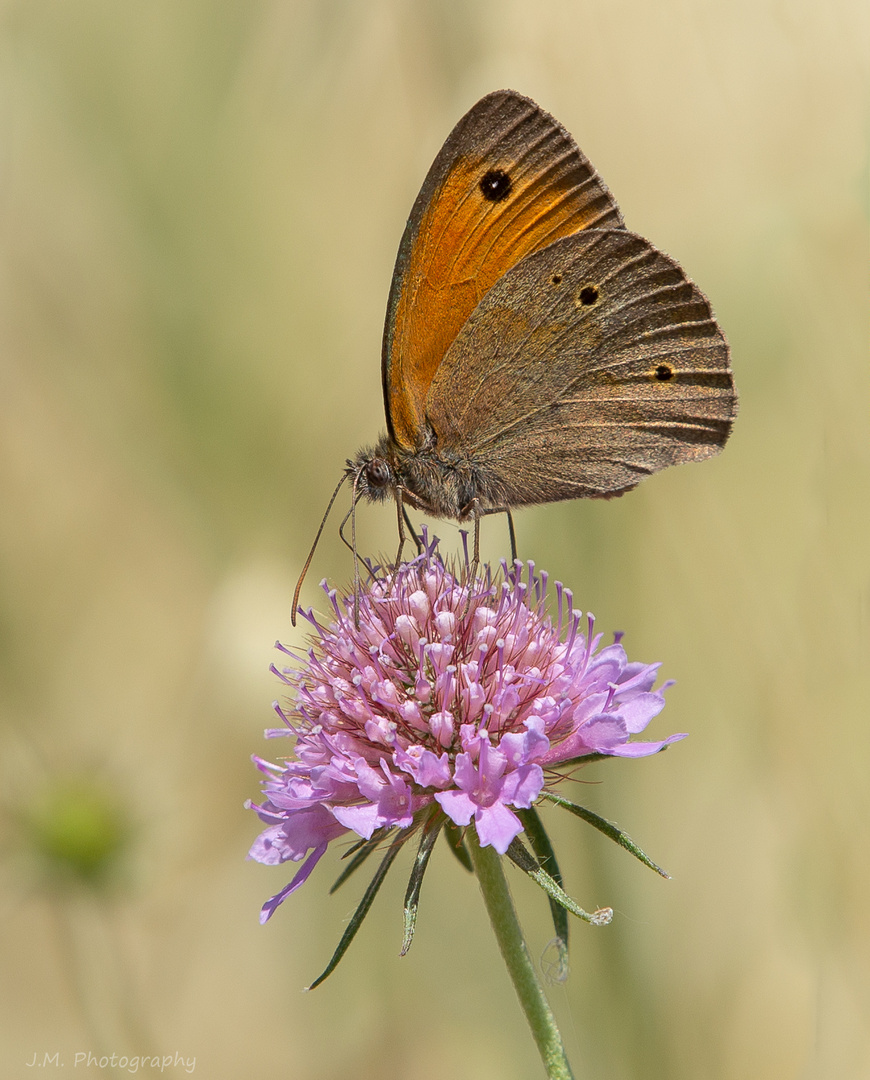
(534, 349)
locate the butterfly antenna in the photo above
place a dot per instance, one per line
(354, 499)
(314, 548)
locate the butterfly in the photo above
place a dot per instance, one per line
(534, 349)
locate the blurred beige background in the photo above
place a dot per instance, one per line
(200, 205)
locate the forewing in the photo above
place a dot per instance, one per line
(592, 364)
(508, 181)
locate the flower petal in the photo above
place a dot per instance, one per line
(638, 712)
(497, 825)
(644, 749)
(457, 805)
(301, 876)
(522, 786)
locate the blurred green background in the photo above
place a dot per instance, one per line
(200, 205)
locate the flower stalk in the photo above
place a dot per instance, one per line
(499, 906)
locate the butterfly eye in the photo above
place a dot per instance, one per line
(664, 372)
(588, 295)
(495, 185)
(378, 473)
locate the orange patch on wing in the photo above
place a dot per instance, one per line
(464, 244)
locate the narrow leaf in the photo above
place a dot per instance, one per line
(412, 895)
(360, 852)
(540, 841)
(608, 828)
(456, 843)
(525, 860)
(362, 910)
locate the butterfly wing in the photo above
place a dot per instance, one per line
(508, 181)
(591, 364)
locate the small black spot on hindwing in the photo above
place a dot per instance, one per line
(664, 372)
(496, 185)
(588, 295)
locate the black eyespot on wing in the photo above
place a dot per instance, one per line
(556, 279)
(664, 372)
(496, 185)
(588, 295)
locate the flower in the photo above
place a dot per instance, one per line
(434, 686)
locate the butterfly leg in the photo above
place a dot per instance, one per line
(476, 514)
(401, 517)
(350, 546)
(511, 531)
(344, 522)
(418, 542)
(475, 557)
(471, 570)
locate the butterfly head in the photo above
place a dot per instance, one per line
(373, 472)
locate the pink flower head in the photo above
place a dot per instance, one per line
(445, 689)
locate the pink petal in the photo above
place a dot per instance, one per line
(497, 825)
(458, 806)
(523, 786)
(301, 876)
(644, 749)
(638, 711)
(362, 819)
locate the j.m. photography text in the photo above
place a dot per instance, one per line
(131, 1063)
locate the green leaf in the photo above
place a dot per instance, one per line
(362, 909)
(540, 841)
(360, 852)
(412, 896)
(525, 860)
(608, 828)
(456, 843)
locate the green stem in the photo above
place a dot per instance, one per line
(496, 896)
